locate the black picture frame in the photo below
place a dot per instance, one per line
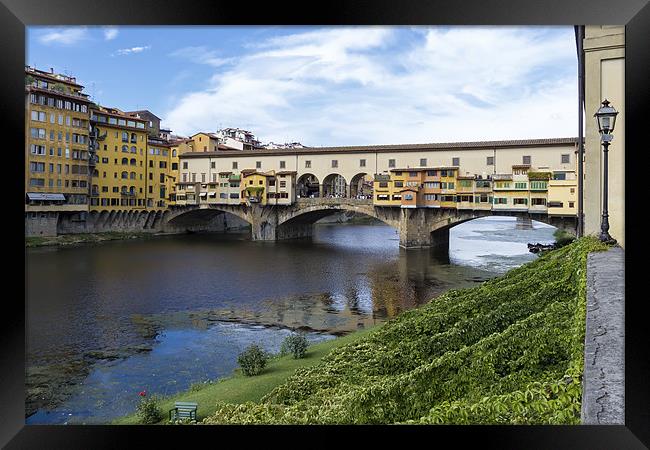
(15, 15)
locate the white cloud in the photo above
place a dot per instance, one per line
(128, 51)
(64, 36)
(110, 33)
(372, 85)
(201, 55)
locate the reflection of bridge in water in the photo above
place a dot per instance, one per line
(417, 227)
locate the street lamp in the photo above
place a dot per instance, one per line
(606, 117)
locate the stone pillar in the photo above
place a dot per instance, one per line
(264, 223)
(413, 228)
(320, 190)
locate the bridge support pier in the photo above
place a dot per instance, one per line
(413, 228)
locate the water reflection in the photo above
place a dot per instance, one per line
(101, 307)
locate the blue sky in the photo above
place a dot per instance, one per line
(328, 85)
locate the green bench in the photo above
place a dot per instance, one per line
(183, 410)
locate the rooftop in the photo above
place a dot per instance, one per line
(396, 148)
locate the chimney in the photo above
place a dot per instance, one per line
(51, 69)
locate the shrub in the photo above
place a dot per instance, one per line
(296, 344)
(148, 410)
(562, 238)
(252, 360)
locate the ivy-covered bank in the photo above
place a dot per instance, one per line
(509, 351)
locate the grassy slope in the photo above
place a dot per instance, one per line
(509, 351)
(240, 389)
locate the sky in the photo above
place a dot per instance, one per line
(328, 86)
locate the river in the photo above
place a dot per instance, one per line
(108, 320)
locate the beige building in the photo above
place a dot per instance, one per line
(336, 169)
(604, 48)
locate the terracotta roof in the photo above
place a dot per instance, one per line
(401, 147)
(59, 78)
(141, 111)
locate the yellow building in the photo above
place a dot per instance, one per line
(562, 193)
(538, 190)
(160, 182)
(383, 190)
(254, 186)
(120, 179)
(56, 150)
(465, 192)
(204, 142)
(448, 177)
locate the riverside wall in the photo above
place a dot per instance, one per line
(603, 384)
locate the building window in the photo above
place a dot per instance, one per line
(566, 159)
(455, 161)
(213, 165)
(391, 163)
(526, 160)
(234, 164)
(202, 178)
(423, 162)
(335, 163)
(490, 161)
(571, 204)
(307, 164)
(362, 163)
(283, 164)
(258, 164)
(184, 164)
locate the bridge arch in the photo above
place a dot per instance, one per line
(335, 185)
(307, 213)
(188, 217)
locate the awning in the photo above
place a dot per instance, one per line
(212, 194)
(40, 196)
(203, 194)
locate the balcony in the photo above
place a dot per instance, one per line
(128, 193)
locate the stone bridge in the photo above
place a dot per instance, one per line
(418, 227)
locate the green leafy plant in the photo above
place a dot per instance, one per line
(563, 237)
(252, 360)
(148, 410)
(296, 344)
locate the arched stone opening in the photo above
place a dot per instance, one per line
(334, 186)
(307, 186)
(361, 186)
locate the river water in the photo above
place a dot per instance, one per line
(109, 320)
